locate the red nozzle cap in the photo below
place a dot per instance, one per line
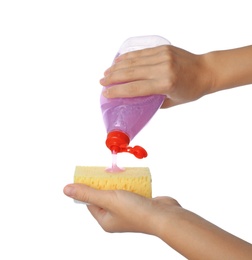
(118, 142)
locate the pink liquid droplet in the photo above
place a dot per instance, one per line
(114, 168)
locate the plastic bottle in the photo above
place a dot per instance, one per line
(124, 118)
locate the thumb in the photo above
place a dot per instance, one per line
(85, 194)
(168, 103)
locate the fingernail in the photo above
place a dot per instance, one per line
(106, 72)
(102, 80)
(105, 93)
(117, 58)
(69, 190)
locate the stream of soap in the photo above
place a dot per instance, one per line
(114, 168)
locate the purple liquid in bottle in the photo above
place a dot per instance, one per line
(130, 115)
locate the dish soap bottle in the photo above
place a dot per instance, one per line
(125, 117)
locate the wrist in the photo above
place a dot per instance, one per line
(228, 68)
(165, 217)
(208, 72)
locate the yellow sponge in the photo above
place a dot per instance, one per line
(134, 179)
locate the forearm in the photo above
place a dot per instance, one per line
(196, 238)
(229, 68)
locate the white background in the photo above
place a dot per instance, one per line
(52, 55)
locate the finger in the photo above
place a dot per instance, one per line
(97, 212)
(129, 63)
(140, 53)
(168, 103)
(149, 57)
(134, 61)
(106, 220)
(127, 75)
(132, 89)
(84, 193)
